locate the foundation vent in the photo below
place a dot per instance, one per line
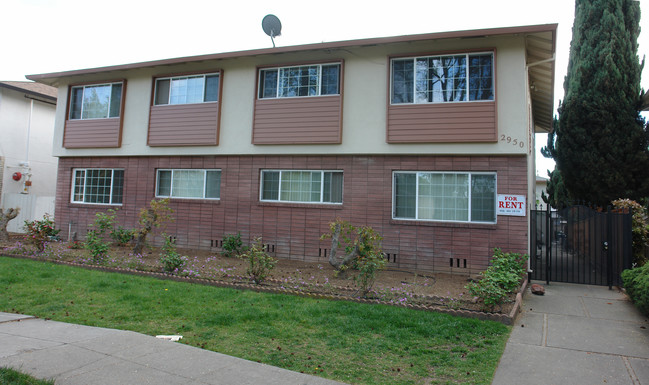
(391, 257)
(216, 243)
(458, 262)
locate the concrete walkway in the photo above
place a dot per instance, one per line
(82, 355)
(577, 334)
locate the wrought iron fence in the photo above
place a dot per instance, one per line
(579, 244)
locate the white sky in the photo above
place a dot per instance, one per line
(42, 36)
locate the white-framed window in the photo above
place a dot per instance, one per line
(441, 79)
(188, 183)
(97, 101)
(444, 196)
(97, 186)
(299, 81)
(302, 186)
(187, 89)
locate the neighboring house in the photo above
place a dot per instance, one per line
(416, 136)
(27, 167)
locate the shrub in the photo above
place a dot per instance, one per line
(40, 232)
(636, 283)
(154, 216)
(95, 243)
(171, 261)
(122, 236)
(259, 262)
(363, 252)
(500, 279)
(232, 245)
(639, 228)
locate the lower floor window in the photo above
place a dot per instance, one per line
(188, 183)
(302, 186)
(96, 185)
(444, 196)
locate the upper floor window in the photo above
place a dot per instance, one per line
(306, 80)
(302, 186)
(187, 89)
(439, 79)
(98, 185)
(444, 196)
(189, 183)
(97, 101)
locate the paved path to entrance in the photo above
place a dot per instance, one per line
(82, 355)
(577, 334)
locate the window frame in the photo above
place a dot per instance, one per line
(465, 54)
(171, 77)
(260, 77)
(85, 185)
(469, 198)
(111, 83)
(279, 188)
(170, 196)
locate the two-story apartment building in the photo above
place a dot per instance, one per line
(417, 136)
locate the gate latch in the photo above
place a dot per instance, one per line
(605, 245)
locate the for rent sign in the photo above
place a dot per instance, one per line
(511, 205)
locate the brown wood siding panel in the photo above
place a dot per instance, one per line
(184, 125)
(307, 120)
(92, 133)
(445, 122)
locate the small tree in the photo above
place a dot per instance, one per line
(362, 251)
(5, 217)
(151, 217)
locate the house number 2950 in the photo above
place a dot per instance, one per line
(512, 141)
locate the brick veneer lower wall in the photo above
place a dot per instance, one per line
(294, 230)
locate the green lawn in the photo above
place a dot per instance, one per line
(345, 341)
(9, 376)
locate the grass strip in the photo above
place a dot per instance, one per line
(10, 376)
(345, 341)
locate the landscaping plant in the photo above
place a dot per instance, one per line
(171, 261)
(5, 217)
(232, 245)
(363, 252)
(95, 243)
(154, 216)
(40, 232)
(121, 236)
(500, 279)
(636, 283)
(260, 263)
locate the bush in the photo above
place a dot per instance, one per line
(40, 232)
(636, 283)
(232, 245)
(500, 279)
(95, 237)
(259, 262)
(122, 236)
(171, 261)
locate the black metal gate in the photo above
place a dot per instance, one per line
(580, 245)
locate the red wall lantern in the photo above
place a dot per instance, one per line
(17, 176)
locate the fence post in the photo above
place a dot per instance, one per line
(548, 244)
(608, 248)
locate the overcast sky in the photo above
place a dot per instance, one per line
(42, 36)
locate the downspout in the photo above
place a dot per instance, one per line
(25, 163)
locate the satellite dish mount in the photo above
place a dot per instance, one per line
(272, 27)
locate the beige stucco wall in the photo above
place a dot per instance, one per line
(364, 110)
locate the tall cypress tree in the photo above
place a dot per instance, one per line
(601, 145)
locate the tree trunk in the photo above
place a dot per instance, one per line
(340, 264)
(5, 217)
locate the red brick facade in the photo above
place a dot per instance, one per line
(294, 229)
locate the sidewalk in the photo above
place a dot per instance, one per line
(577, 334)
(82, 355)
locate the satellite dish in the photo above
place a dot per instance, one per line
(272, 26)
